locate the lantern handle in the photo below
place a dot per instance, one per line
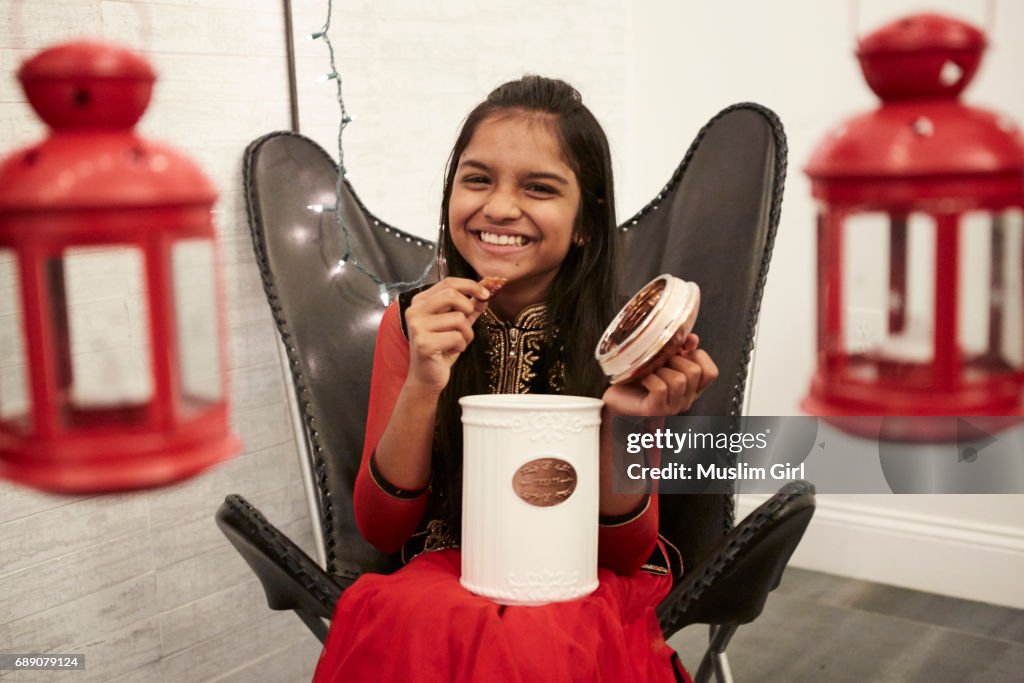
(990, 17)
(853, 18)
(141, 10)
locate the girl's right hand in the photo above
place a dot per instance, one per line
(440, 324)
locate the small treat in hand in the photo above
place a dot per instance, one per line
(492, 283)
(649, 330)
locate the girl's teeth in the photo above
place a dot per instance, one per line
(503, 240)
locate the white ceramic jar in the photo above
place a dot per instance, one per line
(530, 494)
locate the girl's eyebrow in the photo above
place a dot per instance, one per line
(534, 175)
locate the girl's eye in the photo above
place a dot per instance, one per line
(476, 180)
(539, 188)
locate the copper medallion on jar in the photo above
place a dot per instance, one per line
(545, 481)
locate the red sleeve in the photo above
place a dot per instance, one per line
(624, 546)
(386, 518)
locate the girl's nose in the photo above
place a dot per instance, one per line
(501, 206)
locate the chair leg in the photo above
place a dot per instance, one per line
(715, 658)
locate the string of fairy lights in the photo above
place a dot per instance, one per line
(388, 290)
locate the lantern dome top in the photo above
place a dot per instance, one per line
(92, 94)
(86, 84)
(920, 139)
(921, 56)
(922, 132)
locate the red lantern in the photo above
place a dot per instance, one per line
(113, 369)
(919, 242)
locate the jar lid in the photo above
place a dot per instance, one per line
(649, 328)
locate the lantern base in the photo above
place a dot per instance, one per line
(117, 474)
(905, 428)
(919, 429)
(912, 409)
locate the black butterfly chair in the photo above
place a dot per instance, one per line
(714, 223)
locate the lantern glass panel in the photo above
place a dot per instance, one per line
(865, 251)
(888, 285)
(15, 410)
(977, 267)
(107, 339)
(1013, 290)
(195, 298)
(990, 302)
(913, 339)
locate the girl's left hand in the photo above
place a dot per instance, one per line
(670, 390)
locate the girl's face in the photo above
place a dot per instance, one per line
(513, 204)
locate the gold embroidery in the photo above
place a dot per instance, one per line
(556, 375)
(679, 555)
(438, 536)
(515, 348)
(664, 567)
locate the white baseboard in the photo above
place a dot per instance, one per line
(923, 552)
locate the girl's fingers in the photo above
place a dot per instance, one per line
(691, 342)
(447, 322)
(710, 373)
(452, 294)
(697, 366)
(679, 388)
(466, 286)
(708, 369)
(441, 342)
(470, 288)
(657, 393)
(444, 300)
(694, 377)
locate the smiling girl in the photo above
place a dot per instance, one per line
(528, 197)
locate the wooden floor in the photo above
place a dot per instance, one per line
(822, 628)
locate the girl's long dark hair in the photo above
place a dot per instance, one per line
(582, 298)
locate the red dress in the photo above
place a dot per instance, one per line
(420, 624)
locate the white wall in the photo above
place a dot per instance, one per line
(690, 59)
